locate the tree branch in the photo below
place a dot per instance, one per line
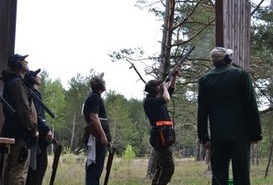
(134, 67)
(188, 16)
(257, 7)
(184, 42)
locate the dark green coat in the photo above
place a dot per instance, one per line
(227, 106)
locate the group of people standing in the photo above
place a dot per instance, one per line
(228, 123)
(27, 160)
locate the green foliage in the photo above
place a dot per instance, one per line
(142, 125)
(52, 92)
(129, 154)
(78, 91)
(123, 131)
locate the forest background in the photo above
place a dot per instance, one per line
(128, 123)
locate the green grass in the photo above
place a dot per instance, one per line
(133, 172)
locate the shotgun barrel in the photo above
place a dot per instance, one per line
(6, 105)
(180, 62)
(41, 103)
(109, 163)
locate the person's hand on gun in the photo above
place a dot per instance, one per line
(166, 85)
(49, 135)
(177, 71)
(103, 139)
(207, 145)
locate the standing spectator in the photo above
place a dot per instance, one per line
(22, 125)
(99, 135)
(39, 161)
(162, 135)
(227, 102)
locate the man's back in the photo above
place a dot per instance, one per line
(226, 93)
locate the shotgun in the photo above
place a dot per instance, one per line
(109, 163)
(7, 105)
(57, 153)
(41, 103)
(180, 62)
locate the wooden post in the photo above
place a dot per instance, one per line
(8, 10)
(219, 23)
(233, 29)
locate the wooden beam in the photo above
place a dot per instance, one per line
(219, 23)
(8, 9)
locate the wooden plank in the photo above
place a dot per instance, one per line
(8, 10)
(7, 140)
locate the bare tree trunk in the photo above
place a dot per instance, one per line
(257, 155)
(269, 160)
(167, 38)
(73, 131)
(198, 152)
(151, 165)
(208, 156)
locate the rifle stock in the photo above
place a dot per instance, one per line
(180, 62)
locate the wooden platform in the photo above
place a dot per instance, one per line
(5, 143)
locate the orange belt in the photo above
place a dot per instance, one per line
(164, 123)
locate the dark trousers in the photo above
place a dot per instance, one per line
(93, 171)
(36, 177)
(165, 166)
(238, 152)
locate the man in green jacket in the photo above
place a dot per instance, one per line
(22, 125)
(228, 118)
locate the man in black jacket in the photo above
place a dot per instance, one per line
(227, 102)
(38, 163)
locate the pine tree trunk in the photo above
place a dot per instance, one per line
(73, 131)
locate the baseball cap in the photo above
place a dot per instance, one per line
(151, 85)
(34, 73)
(30, 77)
(97, 80)
(14, 59)
(219, 53)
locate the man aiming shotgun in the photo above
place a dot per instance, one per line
(162, 135)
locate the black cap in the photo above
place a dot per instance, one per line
(13, 60)
(151, 85)
(30, 77)
(97, 80)
(33, 73)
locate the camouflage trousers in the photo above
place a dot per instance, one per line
(17, 163)
(165, 166)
